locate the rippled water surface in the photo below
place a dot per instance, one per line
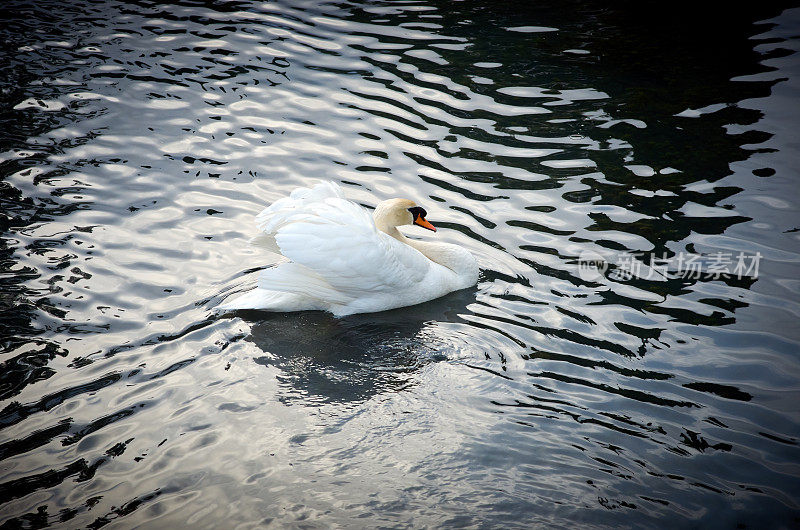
(139, 140)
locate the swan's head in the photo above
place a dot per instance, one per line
(399, 212)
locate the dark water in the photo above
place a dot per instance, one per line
(138, 140)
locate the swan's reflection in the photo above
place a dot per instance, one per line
(323, 359)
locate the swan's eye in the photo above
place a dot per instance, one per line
(418, 212)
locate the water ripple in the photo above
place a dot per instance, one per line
(140, 139)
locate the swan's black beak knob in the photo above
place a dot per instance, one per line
(419, 218)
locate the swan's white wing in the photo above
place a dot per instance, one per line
(338, 241)
(299, 200)
(275, 214)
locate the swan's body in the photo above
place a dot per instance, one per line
(345, 261)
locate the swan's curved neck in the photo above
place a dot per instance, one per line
(428, 249)
(398, 235)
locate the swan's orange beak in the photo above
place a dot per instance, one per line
(421, 221)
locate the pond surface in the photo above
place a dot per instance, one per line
(585, 154)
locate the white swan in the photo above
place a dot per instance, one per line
(345, 261)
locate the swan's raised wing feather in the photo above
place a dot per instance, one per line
(277, 213)
(299, 200)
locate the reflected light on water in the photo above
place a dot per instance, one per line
(140, 139)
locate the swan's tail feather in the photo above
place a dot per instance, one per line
(289, 287)
(265, 300)
(300, 280)
(255, 299)
(266, 242)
